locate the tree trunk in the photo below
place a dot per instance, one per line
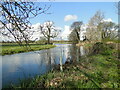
(48, 42)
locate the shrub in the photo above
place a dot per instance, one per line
(102, 48)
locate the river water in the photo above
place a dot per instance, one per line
(29, 64)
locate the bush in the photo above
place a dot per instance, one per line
(102, 48)
(106, 52)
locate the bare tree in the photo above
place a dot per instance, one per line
(49, 30)
(73, 37)
(76, 26)
(96, 19)
(15, 18)
(108, 30)
(92, 33)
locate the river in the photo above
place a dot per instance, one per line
(29, 64)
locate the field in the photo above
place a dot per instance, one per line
(12, 48)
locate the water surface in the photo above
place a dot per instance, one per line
(30, 64)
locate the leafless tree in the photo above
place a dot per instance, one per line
(92, 33)
(49, 30)
(96, 19)
(15, 18)
(73, 37)
(76, 26)
(108, 30)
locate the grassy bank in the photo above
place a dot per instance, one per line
(98, 70)
(58, 41)
(62, 42)
(14, 48)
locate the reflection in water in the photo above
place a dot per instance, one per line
(82, 51)
(75, 53)
(24, 65)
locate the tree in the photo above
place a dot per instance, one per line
(96, 19)
(92, 33)
(49, 30)
(108, 30)
(73, 37)
(15, 19)
(76, 27)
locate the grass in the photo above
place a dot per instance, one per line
(111, 40)
(94, 71)
(60, 42)
(63, 42)
(14, 48)
(88, 45)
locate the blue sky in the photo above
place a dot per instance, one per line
(78, 11)
(83, 10)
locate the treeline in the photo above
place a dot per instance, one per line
(16, 24)
(97, 29)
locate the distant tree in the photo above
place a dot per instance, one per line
(92, 33)
(96, 19)
(76, 27)
(49, 30)
(15, 18)
(108, 30)
(73, 37)
(42, 40)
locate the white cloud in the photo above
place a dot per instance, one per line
(58, 28)
(36, 34)
(66, 32)
(107, 20)
(36, 26)
(70, 17)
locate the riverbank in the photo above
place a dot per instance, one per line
(8, 49)
(100, 69)
(91, 43)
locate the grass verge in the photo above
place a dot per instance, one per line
(12, 49)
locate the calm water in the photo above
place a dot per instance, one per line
(24, 65)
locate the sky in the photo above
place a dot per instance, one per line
(63, 14)
(83, 10)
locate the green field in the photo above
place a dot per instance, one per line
(9, 48)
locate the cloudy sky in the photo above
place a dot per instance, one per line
(63, 14)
